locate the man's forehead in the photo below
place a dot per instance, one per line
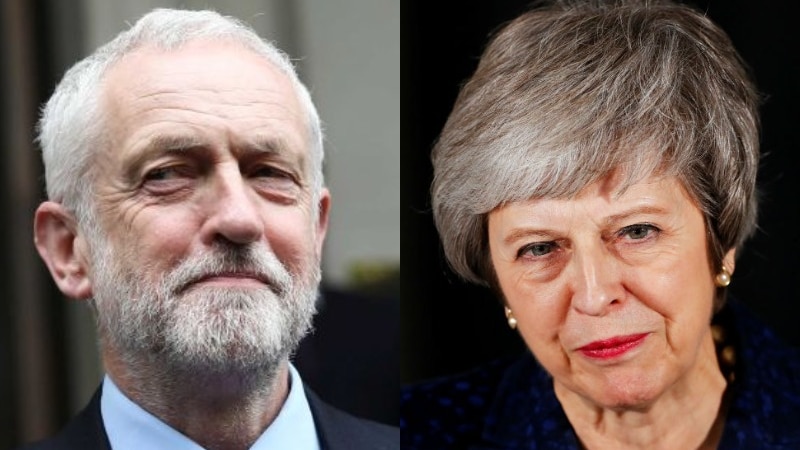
(219, 65)
(228, 70)
(181, 93)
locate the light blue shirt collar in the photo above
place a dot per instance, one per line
(130, 427)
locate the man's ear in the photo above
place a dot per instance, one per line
(63, 249)
(322, 220)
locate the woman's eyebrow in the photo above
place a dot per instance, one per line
(526, 232)
(637, 210)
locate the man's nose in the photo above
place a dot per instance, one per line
(596, 281)
(233, 211)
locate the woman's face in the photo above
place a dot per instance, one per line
(612, 291)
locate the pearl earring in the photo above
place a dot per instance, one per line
(512, 322)
(723, 278)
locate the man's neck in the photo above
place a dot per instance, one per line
(218, 411)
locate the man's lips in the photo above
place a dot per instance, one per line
(613, 347)
(233, 279)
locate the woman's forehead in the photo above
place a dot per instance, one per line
(512, 175)
(607, 200)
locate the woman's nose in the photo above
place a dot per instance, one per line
(596, 282)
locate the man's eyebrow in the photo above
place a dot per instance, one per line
(266, 144)
(159, 145)
(273, 146)
(166, 143)
(270, 146)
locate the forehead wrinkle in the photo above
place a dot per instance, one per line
(645, 209)
(649, 195)
(172, 143)
(178, 143)
(271, 145)
(142, 97)
(159, 88)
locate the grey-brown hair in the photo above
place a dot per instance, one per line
(569, 92)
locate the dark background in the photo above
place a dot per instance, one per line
(449, 326)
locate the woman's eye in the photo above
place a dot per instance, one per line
(638, 231)
(537, 249)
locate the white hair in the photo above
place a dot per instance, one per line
(71, 128)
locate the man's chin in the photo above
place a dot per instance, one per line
(234, 338)
(232, 357)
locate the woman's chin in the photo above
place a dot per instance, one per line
(619, 390)
(627, 398)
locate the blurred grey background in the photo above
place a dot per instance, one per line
(348, 53)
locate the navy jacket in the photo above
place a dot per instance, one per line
(337, 430)
(510, 404)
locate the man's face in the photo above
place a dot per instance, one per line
(208, 240)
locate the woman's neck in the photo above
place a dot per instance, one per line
(688, 415)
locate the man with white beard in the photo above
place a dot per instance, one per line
(186, 203)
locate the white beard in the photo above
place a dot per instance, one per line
(205, 329)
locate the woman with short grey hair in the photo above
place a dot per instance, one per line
(598, 171)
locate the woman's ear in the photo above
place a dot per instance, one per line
(729, 261)
(63, 249)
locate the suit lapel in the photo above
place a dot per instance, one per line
(338, 430)
(331, 430)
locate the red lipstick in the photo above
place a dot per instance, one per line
(611, 348)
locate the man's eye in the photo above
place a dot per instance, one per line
(269, 172)
(537, 249)
(162, 174)
(638, 231)
(274, 177)
(168, 179)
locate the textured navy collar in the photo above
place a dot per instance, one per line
(765, 408)
(526, 413)
(764, 412)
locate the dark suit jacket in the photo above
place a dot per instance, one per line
(337, 430)
(357, 375)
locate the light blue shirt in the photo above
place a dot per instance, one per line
(129, 427)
